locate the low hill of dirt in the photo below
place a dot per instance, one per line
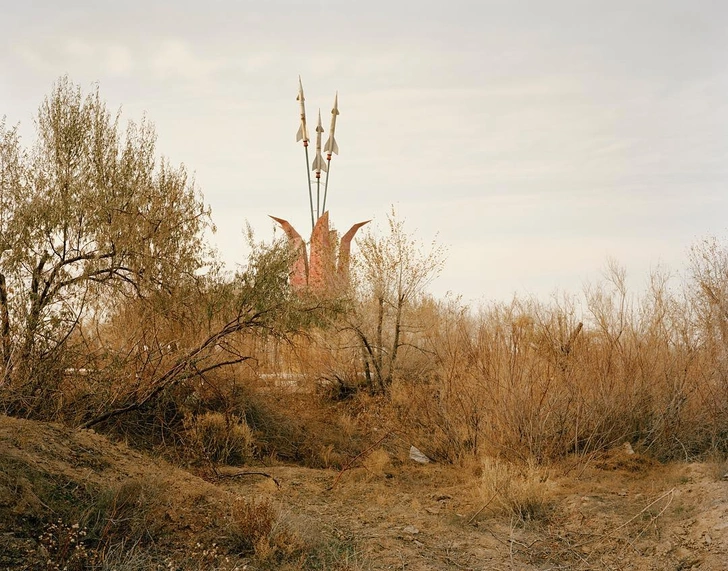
(73, 499)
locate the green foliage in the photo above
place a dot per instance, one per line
(88, 213)
(263, 287)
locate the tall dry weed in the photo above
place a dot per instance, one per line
(575, 376)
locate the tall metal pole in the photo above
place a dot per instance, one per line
(310, 192)
(326, 184)
(318, 165)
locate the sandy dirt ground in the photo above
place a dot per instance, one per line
(422, 518)
(618, 511)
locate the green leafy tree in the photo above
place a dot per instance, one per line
(89, 212)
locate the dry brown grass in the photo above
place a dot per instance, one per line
(256, 528)
(377, 462)
(576, 376)
(219, 438)
(521, 491)
(127, 512)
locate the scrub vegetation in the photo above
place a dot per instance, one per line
(158, 412)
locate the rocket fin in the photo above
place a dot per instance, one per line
(318, 164)
(331, 146)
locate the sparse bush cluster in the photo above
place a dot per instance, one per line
(533, 380)
(97, 332)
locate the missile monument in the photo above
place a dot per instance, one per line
(322, 265)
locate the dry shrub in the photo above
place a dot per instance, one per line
(518, 490)
(576, 376)
(225, 439)
(302, 428)
(87, 524)
(41, 394)
(127, 513)
(257, 529)
(425, 418)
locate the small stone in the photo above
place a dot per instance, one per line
(411, 529)
(418, 456)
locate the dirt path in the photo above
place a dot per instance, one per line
(412, 519)
(421, 518)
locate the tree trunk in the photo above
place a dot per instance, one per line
(395, 341)
(367, 369)
(38, 301)
(380, 342)
(5, 348)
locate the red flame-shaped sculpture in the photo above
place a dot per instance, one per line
(321, 271)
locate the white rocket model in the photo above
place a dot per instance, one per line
(302, 131)
(318, 164)
(331, 146)
(302, 135)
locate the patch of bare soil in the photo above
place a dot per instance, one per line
(618, 511)
(435, 517)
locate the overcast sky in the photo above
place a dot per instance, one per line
(535, 139)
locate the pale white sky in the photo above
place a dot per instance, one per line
(534, 138)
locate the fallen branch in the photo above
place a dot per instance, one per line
(476, 514)
(644, 509)
(654, 518)
(239, 474)
(185, 368)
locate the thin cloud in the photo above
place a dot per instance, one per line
(176, 58)
(119, 60)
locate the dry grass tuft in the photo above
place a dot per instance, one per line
(518, 490)
(257, 529)
(126, 513)
(377, 462)
(221, 438)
